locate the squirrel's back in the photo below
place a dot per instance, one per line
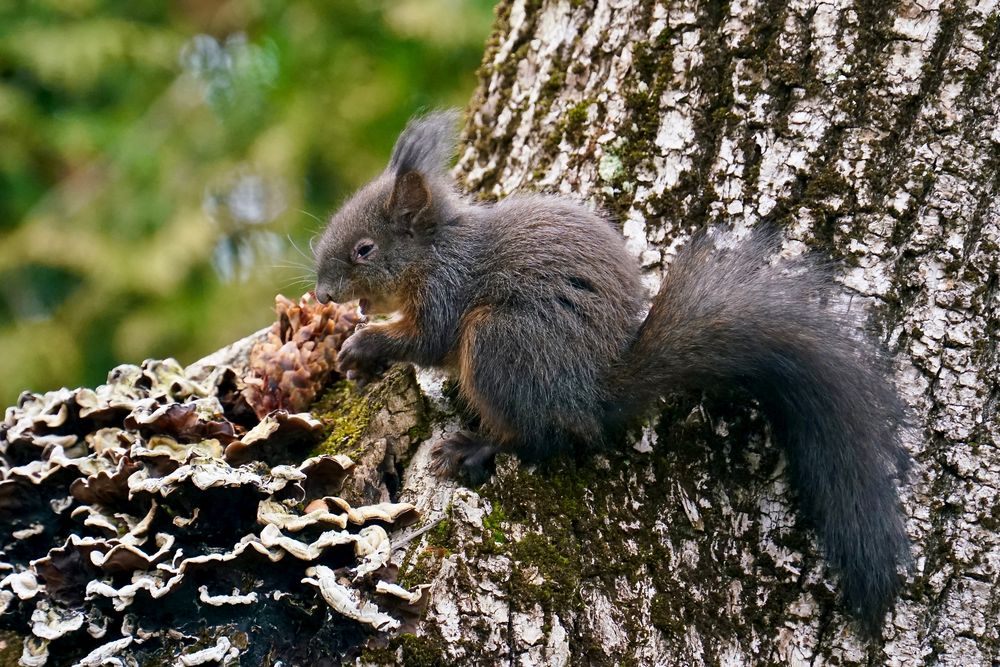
(558, 254)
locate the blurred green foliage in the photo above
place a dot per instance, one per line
(157, 160)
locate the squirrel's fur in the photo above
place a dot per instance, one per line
(535, 305)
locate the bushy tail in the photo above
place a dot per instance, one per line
(730, 318)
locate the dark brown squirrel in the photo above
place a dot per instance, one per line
(534, 304)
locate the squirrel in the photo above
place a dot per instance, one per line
(536, 306)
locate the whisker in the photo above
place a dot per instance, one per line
(302, 273)
(315, 232)
(304, 276)
(336, 259)
(297, 248)
(311, 216)
(296, 283)
(312, 248)
(311, 277)
(283, 265)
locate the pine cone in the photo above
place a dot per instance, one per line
(299, 356)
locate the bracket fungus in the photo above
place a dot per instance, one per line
(176, 514)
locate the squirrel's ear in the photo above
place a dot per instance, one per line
(427, 144)
(410, 201)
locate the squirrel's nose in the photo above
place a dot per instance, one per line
(323, 294)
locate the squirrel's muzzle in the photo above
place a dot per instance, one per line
(323, 295)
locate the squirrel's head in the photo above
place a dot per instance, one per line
(377, 240)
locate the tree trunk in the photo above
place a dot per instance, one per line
(868, 132)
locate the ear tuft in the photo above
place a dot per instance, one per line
(410, 201)
(427, 144)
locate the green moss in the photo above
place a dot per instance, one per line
(442, 534)
(421, 651)
(552, 86)
(819, 189)
(655, 59)
(653, 66)
(665, 617)
(723, 116)
(381, 655)
(346, 414)
(481, 136)
(572, 126)
(991, 521)
(422, 568)
(410, 650)
(493, 523)
(555, 558)
(346, 411)
(989, 32)
(576, 121)
(11, 645)
(423, 428)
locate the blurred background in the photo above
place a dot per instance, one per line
(163, 165)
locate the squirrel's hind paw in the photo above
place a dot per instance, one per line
(464, 455)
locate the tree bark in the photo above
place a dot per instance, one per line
(865, 131)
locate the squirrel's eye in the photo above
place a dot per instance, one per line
(364, 249)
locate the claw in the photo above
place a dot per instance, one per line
(441, 465)
(463, 455)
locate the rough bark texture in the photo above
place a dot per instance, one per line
(868, 132)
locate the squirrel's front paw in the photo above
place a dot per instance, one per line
(360, 357)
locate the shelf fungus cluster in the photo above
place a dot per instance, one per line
(157, 518)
